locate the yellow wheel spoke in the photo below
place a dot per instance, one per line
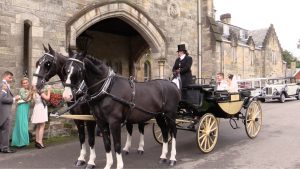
(203, 140)
(212, 124)
(213, 129)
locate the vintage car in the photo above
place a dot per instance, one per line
(254, 84)
(281, 89)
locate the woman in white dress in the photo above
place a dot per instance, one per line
(40, 115)
(232, 84)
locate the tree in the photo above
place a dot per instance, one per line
(289, 57)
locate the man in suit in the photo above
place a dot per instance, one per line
(6, 101)
(183, 66)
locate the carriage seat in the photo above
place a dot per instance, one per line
(193, 95)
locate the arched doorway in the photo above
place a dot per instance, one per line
(120, 34)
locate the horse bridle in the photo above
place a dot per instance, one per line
(82, 87)
(44, 59)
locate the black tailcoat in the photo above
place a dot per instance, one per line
(185, 69)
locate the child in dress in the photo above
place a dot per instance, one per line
(40, 114)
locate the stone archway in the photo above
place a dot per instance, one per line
(127, 12)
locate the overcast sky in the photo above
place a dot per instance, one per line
(258, 14)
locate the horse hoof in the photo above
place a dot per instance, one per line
(172, 162)
(162, 160)
(90, 166)
(140, 152)
(79, 163)
(125, 152)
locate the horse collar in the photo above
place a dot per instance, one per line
(106, 84)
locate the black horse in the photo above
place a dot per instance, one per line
(49, 65)
(115, 100)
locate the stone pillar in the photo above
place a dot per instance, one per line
(161, 65)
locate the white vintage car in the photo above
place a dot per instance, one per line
(255, 85)
(281, 89)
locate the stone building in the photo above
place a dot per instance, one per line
(135, 37)
(246, 53)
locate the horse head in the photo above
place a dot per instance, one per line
(82, 72)
(48, 66)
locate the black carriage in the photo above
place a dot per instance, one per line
(202, 105)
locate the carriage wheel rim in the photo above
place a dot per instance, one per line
(158, 135)
(253, 119)
(207, 135)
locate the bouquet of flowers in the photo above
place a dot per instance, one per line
(56, 99)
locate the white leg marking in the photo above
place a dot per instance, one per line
(67, 94)
(92, 156)
(142, 143)
(82, 152)
(128, 143)
(35, 78)
(120, 163)
(173, 151)
(164, 151)
(109, 160)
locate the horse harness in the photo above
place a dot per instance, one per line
(104, 91)
(43, 60)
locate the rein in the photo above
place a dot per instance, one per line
(107, 83)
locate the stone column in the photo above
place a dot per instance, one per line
(161, 65)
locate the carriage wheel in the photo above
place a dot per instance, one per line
(253, 119)
(208, 132)
(158, 135)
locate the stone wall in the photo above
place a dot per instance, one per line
(174, 20)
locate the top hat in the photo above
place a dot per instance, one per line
(181, 47)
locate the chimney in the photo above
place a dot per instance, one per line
(226, 18)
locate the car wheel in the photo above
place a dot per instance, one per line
(263, 100)
(298, 96)
(282, 98)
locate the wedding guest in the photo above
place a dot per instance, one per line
(40, 114)
(6, 101)
(20, 135)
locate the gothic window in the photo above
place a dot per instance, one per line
(147, 71)
(27, 47)
(226, 30)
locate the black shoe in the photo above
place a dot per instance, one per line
(8, 151)
(38, 145)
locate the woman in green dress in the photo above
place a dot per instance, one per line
(20, 136)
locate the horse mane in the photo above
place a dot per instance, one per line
(96, 65)
(94, 60)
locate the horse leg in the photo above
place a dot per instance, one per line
(173, 132)
(81, 134)
(164, 130)
(129, 138)
(91, 125)
(104, 128)
(116, 134)
(142, 143)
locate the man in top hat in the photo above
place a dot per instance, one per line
(183, 66)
